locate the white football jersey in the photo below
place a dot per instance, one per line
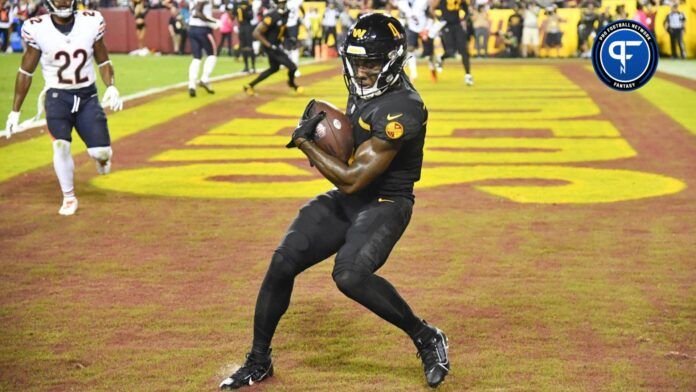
(294, 12)
(207, 11)
(415, 12)
(66, 60)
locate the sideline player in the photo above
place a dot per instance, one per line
(454, 38)
(365, 215)
(66, 41)
(201, 24)
(415, 13)
(291, 44)
(271, 32)
(244, 13)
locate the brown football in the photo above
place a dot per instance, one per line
(334, 134)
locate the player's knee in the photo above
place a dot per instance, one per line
(348, 281)
(282, 269)
(61, 147)
(101, 154)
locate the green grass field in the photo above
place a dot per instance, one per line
(552, 240)
(133, 74)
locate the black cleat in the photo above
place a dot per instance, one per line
(206, 87)
(433, 353)
(192, 92)
(252, 372)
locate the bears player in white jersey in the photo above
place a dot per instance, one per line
(415, 14)
(201, 25)
(65, 41)
(292, 31)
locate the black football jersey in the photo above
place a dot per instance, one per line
(243, 12)
(450, 10)
(276, 26)
(398, 115)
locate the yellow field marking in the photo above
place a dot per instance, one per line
(20, 157)
(238, 140)
(229, 154)
(252, 126)
(198, 181)
(559, 128)
(256, 142)
(585, 185)
(558, 150)
(674, 100)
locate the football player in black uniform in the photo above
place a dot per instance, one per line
(244, 14)
(271, 33)
(365, 215)
(456, 32)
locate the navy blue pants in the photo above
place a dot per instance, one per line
(201, 39)
(79, 109)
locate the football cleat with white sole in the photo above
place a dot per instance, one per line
(433, 354)
(69, 206)
(469, 80)
(252, 372)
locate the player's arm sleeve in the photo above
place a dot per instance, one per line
(399, 122)
(28, 35)
(101, 27)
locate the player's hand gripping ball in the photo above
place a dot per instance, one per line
(334, 133)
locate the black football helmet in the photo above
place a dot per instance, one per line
(280, 5)
(376, 38)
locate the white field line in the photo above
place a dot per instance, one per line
(35, 123)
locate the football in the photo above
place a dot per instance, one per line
(334, 134)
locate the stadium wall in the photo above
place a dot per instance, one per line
(121, 38)
(121, 34)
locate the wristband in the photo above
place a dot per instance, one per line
(25, 72)
(302, 142)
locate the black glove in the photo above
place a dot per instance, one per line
(273, 48)
(308, 110)
(306, 128)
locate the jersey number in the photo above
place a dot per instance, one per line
(453, 5)
(78, 79)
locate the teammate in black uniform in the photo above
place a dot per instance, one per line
(456, 32)
(244, 14)
(271, 32)
(365, 215)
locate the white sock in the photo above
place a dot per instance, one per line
(412, 65)
(101, 154)
(295, 56)
(193, 72)
(208, 67)
(64, 166)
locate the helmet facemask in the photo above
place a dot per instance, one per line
(281, 6)
(387, 69)
(61, 12)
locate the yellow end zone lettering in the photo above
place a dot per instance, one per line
(245, 147)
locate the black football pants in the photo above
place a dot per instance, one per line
(276, 58)
(361, 231)
(455, 39)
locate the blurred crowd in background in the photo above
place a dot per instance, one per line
(523, 35)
